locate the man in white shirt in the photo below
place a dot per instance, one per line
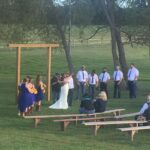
(145, 110)
(82, 79)
(93, 83)
(132, 75)
(117, 77)
(104, 77)
(70, 92)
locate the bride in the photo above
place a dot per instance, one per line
(62, 101)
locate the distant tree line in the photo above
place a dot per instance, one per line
(51, 21)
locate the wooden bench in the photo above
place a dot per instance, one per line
(37, 119)
(127, 115)
(97, 125)
(65, 122)
(133, 130)
(115, 112)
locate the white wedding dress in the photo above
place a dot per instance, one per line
(62, 101)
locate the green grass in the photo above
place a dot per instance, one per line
(18, 134)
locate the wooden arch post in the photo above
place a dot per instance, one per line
(18, 64)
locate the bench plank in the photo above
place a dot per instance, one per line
(127, 115)
(65, 122)
(112, 122)
(133, 130)
(97, 125)
(83, 119)
(37, 119)
(71, 115)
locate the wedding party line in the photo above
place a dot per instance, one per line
(89, 86)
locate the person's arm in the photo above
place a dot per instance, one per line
(108, 77)
(77, 77)
(136, 74)
(87, 77)
(114, 76)
(28, 86)
(97, 80)
(100, 77)
(144, 107)
(121, 77)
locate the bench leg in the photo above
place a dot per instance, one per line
(132, 133)
(134, 125)
(117, 113)
(64, 125)
(76, 117)
(95, 129)
(36, 121)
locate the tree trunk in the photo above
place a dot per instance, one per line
(114, 48)
(66, 48)
(122, 58)
(109, 13)
(111, 8)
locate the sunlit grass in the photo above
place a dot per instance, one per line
(18, 134)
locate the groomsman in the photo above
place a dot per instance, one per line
(82, 79)
(70, 92)
(93, 83)
(133, 75)
(104, 77)
(117, 77)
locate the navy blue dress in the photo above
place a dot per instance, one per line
(31, 99)
(24, 98)
(39, 95)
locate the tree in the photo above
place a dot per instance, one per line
(108, 7)
(35, 16)
(109, 12)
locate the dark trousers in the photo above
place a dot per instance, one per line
(103, 87)
(81, 90)
(117, 89)
(92, 90)
(85, 111)
(70, 96)
(56, 95)
(132, 89)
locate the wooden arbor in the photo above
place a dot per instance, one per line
(19, 46)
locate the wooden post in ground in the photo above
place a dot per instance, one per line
(48, 73)
(19, 46)
(18, 53)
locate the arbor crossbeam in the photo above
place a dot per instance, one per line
(18, 64)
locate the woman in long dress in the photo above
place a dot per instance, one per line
(40, 86)
(24, 97)
(62, 103)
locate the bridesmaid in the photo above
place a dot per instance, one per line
(24, 97)
(40, 86)
(31, 100)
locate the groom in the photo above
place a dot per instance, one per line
(55, 87)
(71, 90)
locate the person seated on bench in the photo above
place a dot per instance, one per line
(100, 102)
(144, 111)
(86, 106)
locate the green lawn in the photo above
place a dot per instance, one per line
(18, 134)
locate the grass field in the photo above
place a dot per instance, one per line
(18, 134)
